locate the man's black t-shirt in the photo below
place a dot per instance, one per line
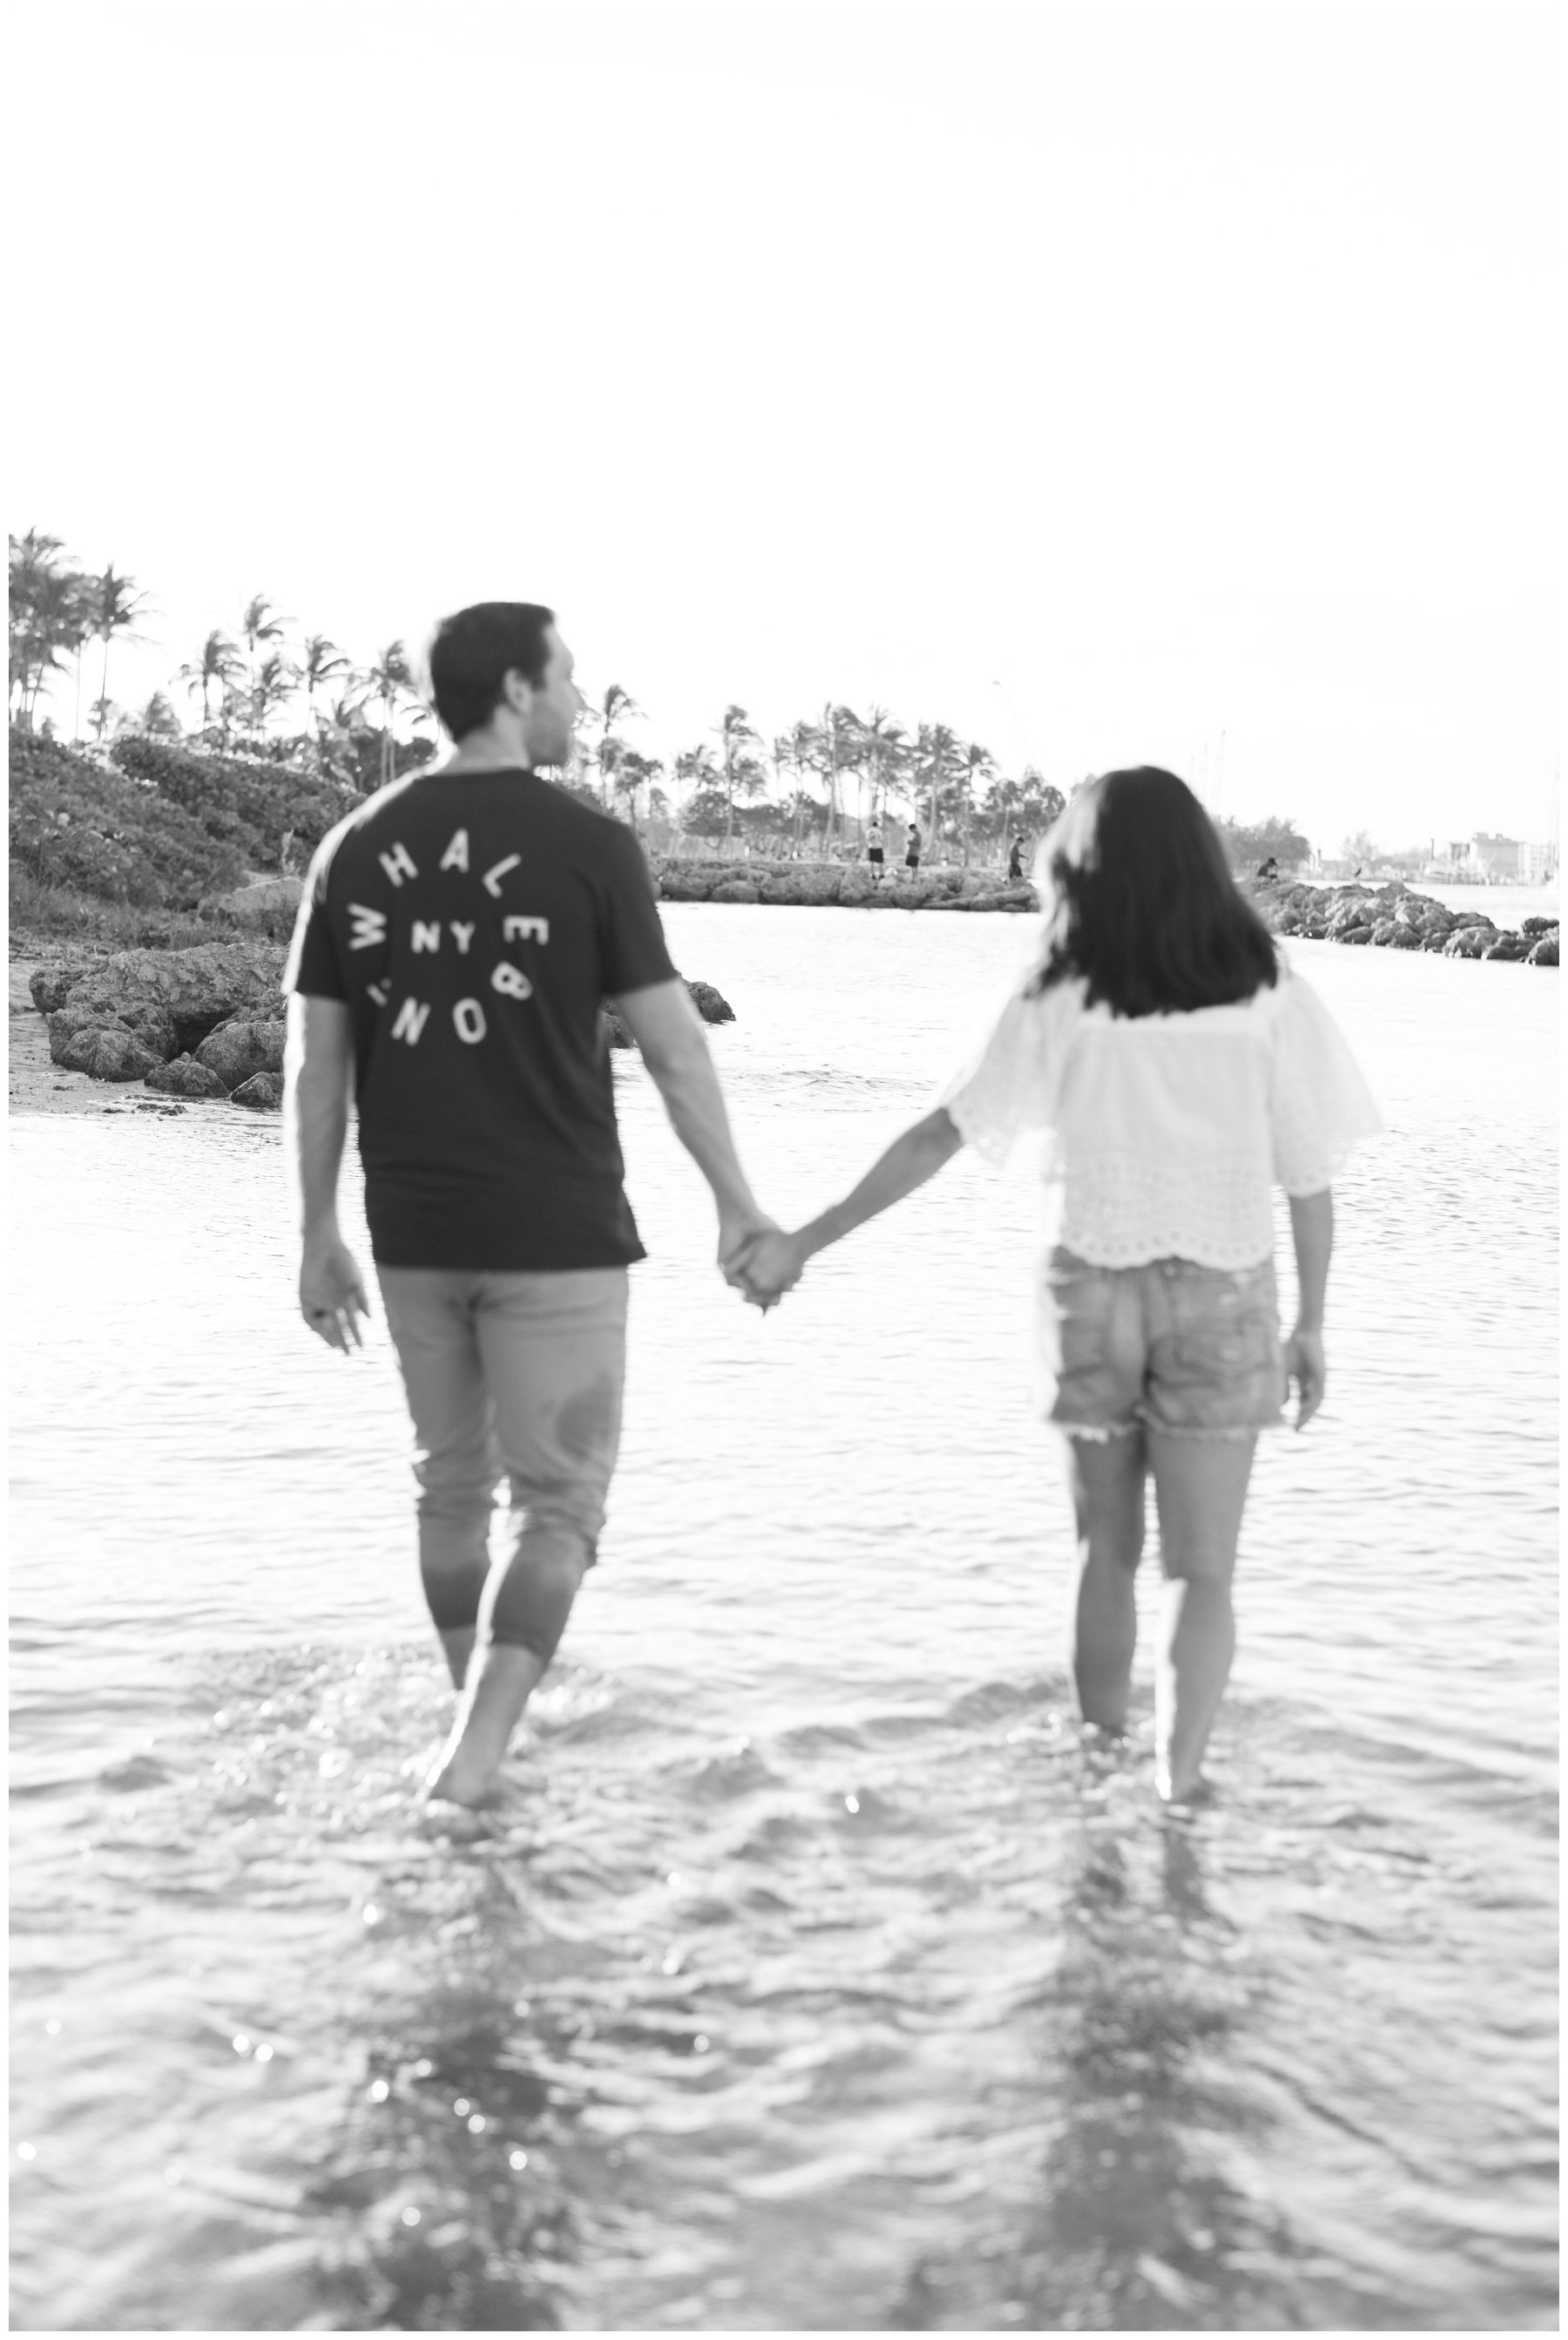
(473, 924)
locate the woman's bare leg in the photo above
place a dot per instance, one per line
(1107, 1478)
(1200, 1488)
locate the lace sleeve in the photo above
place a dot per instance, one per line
(1320, 1107)
(1007, 1088)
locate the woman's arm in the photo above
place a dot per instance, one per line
(1312, 1233)
(775, 1261)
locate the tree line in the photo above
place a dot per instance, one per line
(301, 700)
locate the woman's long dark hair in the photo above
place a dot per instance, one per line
(1139, 902)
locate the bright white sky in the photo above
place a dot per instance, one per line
(1187, 371)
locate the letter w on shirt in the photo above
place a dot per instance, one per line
(410, 1021)
(370, 926)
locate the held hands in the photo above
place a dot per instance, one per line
(757, 1258)
(333, 1296)
(771, 1266)
(1303, 1362)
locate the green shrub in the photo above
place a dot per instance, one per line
(79, 825)
(244, 799)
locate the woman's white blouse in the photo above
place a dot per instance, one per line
(1167, 1133)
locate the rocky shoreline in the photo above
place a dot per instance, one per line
(834, 885)
(206, 1025)
(1396, 917)
(202, 1026)
(1393, 915)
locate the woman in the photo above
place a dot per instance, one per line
(1178, 1072)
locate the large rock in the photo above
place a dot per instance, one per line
(185, 1078)
(711, 1005)
(736, 889)
(268, 904)
(263, 1091)
(1507, 945)
(109, 1052)
(1535, 927)
(242, 1046)
(1543, 952)
(1352, 912)
(195, 989)
(1468, 941)
(51, 987)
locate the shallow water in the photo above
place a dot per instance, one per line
(814, 1975)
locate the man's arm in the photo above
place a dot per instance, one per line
(668, 1029)
(318, 1074)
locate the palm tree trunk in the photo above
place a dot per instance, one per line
(103, 690)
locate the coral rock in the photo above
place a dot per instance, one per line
(262, 1091)
(242, 1046)
(109, 1052)
(185, 1078)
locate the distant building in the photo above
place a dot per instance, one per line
(1494, 858)
(1537, 864)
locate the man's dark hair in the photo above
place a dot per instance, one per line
(1139, 901)
(471, 654)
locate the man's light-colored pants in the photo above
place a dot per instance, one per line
(514, 1377)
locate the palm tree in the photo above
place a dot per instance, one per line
(882, 737)
(274, 680)
(617, 706)
(977, 763)
(697, 767)
(937, 763)
(217, 662)
(47, 618)
(823, 751)
(113, 606)
(735, 734)
(320, 662)
(259, 623)
(387, 677)
(632, 771)
(802, 744)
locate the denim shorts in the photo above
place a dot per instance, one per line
(1192, 1351)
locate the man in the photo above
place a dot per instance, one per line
(912, 851)
(455, 940)
(874, 853)
(1016, 857)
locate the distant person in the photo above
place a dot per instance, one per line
(456, 938)
(1269, 869)
(1016, 857)
(912, 851)
(1180, 1071)
(873, 851)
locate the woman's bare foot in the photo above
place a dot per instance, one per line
(454, 1781)
(1181, 1795)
